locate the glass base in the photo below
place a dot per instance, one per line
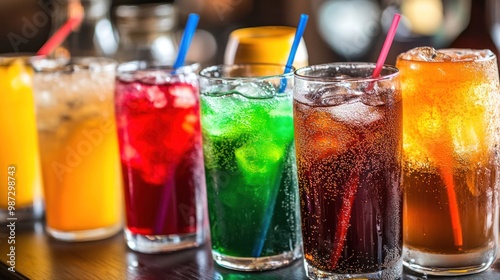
(84, 235)
(448, 264)
(151, 244)
(30, 213)
(257, 264)
(393, 272)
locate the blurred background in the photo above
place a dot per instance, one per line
(338, 30)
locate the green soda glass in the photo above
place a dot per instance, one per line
(247, 128)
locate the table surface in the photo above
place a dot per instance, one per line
(41, 257)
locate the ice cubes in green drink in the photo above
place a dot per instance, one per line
(259, 161)
(255, 133)
(221, 114)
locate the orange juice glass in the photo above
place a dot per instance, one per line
(79, 150)
(264, 44)
(451, 124)
(19, 157)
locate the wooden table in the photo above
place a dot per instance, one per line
(40, 257)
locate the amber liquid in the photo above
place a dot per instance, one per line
(427, 225)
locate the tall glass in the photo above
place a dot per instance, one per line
(158, 121)
(348, 132)
(20, 173)
(247, 127)
(78, 147)
(451, 138)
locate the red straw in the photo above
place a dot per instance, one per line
(352, 184)
(345, 217)
(60, 35)
(386, 46)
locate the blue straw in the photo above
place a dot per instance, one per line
(291, 57)
(266, 221)
(187, 36)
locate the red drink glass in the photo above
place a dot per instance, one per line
(157, 115)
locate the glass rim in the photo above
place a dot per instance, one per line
(68, 65)
(394, 72)
(131, 67)
(217, 68)
(26, 57)
(489, 56)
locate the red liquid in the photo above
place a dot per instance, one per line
(161, 156)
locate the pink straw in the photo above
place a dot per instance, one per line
(352, 187)
(387, 45)
(60, 35)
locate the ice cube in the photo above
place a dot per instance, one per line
(431, 124)
(150, 78)
(256, 90)
(185, 96)
(319, 134)
(190, 123)
(259, 162)
(333, 95)
(426, 54)
(223, 116)
(356, 113)
(469, 138)
(381, 93)
(467, 54)
(156, 96)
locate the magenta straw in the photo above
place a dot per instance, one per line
(168, 192)
(387, 45)
(166, 211)
(343, 225)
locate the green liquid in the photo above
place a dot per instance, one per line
(251, 175)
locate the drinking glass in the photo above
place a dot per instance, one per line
(450, 163)
(158, 121)
(78, 147)
(247, 128)
(19, 156)
(348, 132)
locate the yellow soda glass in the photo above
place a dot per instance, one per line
(18, 144)
(264, 44)
(79, 148)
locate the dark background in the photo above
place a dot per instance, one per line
(220, 17)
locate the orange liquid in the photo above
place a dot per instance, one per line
(79, 150)
(18, 144)
(82, 178)
(450, 119)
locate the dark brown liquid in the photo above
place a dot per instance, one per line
(342, 161)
